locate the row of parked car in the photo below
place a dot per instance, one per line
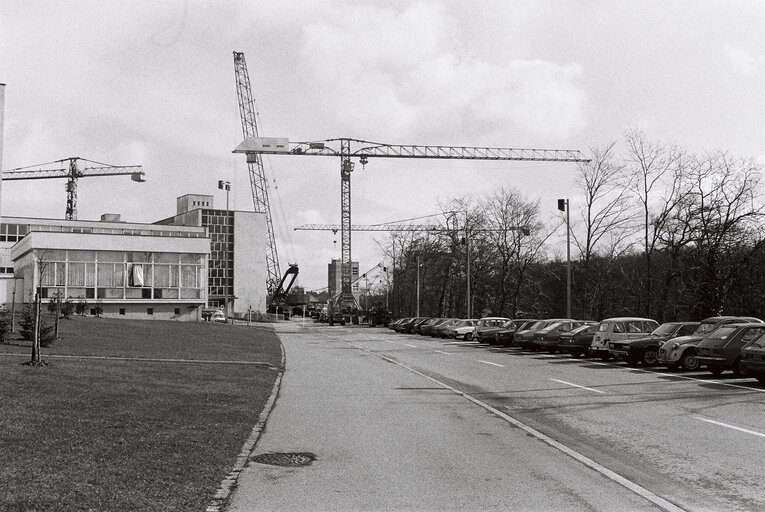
(720, 343)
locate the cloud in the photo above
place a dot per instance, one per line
(401, 73)
(740, 59)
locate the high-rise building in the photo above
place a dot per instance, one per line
(335, 278)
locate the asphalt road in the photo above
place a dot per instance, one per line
(404, 422)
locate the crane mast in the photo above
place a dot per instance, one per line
(72, 172)
(347, 149)
(258, 184)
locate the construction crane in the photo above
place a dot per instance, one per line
(258, 184)
(72, 171)
(347, 149)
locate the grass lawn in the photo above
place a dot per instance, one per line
(120, 435)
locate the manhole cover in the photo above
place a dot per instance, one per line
(286, 459)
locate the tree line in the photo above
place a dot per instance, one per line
(655, 231)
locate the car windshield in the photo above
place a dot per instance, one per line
(603, 327)
(551, 327)
(582, 328)
(537, 325)
(705, 327)
(722, 333)
(665, 329)
(759, 342)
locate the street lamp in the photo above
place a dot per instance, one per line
(564, 206)
(225, 185)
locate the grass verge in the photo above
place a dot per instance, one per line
(114, 434)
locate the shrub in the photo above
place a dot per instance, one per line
(82, 307)
(47, 334)
(5, 326)
(67, 308)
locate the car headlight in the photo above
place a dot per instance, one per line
(676, 345)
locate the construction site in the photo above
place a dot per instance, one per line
(207, 257)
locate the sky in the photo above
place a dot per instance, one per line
(152, 83)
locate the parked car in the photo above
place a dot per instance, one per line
(406, 325)
(506, 337)
(426, 325)
(463, 329)
(394, 325)
(753, 359)
(524, 338)
(412, 328)
(219, 317)
(681, 351)
(646, 350)
(617, 329)
(721, 350)
(549, 337)
(429, 328)
(444, 330)
(489, 334)
(577, 342)
(487, 323)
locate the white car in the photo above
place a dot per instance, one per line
(463, 329)
(218, 316)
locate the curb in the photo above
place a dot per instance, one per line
(228, 484)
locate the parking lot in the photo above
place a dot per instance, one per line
(690, 440)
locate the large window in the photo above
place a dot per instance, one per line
(121, 275)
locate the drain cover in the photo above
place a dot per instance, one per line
(286, 459)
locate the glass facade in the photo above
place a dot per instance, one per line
(220, 270)
(121, 275)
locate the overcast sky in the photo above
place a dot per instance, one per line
(152, 83)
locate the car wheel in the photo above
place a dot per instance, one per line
(715, 370)
(650, 357)
(468, 336)
(738, 370)
(689, 361)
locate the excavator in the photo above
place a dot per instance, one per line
(278, 301)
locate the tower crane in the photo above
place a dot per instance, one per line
(348, 149)
(248, 114)
(71, 169)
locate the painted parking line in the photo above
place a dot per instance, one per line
(493, 364)
(732, 427)
(408, 345)
(442, 352)
(578, 386)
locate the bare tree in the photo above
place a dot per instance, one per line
(654, 169)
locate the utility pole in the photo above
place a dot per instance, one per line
(418, 284)
(564, 206)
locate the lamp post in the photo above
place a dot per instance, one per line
(225, 185)
(418, 285)
(564, 206)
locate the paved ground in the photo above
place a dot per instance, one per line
(387, 437)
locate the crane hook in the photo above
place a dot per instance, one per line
(363, 161)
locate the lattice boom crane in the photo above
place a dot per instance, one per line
(347, 149)
(72, 172)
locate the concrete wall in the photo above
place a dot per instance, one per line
(250, 261)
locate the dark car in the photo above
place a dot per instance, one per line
(577, 342)
(443, 330)
(413, 328)
(721, 350)
(506, 336)
(681, 351)
(407, 325)
(488, 323)
(489, 334)
(753, 359)
(399, 324)
(429, 328)
(525, 338)
(646, 350)
(549, 337)
(394, 324)
(425, 327)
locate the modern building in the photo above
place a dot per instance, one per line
(131, 270)
(335, 276)
(237, 252)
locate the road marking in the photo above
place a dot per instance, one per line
(408, 345)
(732, 426)
(493, 364)
(442, 352)
(611, 475)
(578, 386)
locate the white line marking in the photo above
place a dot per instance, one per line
(390, 341)
(408, 345)
(493, 364)
(577, 386)
(442, 352)
(733, 427)
(632, 486)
